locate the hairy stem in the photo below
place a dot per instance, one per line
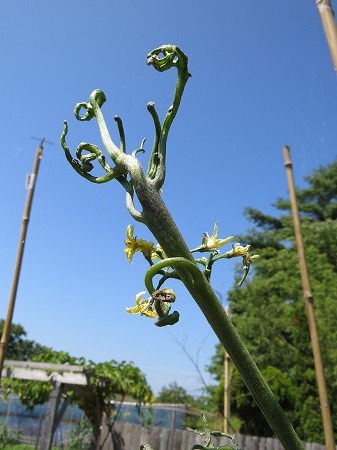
(157, 218)
(159, 221)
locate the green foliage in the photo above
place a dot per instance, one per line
(111, 381)
(19, 447)
(208, 434)
(174, 393)
(107, 381)
(33, 393)
(269, 312)
(80, 438)
(318, 200)
(8, 437)
(24, 447)
(19, 348)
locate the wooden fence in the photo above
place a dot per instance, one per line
(129, 437)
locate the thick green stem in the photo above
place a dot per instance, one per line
(157, 218)
(159, 221)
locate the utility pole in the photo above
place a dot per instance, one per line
(309, 301)
(30, 185)
(329, 25)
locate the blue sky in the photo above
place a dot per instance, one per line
(262, 77)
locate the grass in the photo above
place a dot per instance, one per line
(21, 447)
(18, 447)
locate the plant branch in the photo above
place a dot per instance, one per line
(155, 215)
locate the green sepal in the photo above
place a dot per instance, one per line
(171, 319)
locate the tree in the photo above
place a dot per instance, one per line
(269, 312)
(107, 381)
(174, 393)
(19, 348)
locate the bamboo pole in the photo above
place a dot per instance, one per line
(22, 240)
(308, 299)
(227, 404)
(227, 400)
(329, 25)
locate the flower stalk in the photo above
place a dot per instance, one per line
(177, 257)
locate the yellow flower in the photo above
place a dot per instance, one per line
(240, 250)
(143, 307)
(247, 259)
(158, 253)
(134, 244)
(212, 242)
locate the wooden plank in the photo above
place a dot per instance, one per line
(44, 366)
(270, 443)
(177, 438)
(165, 439)
(262, 443)
(277, 445)
(197, 439)
(54, 400)
(184, 440)
(316, 446)
(136, 437)
(41, 375)
(153, 436)
(126, 433)
(241, 440)
(133, 433)
(253, 442)
(119, 428)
